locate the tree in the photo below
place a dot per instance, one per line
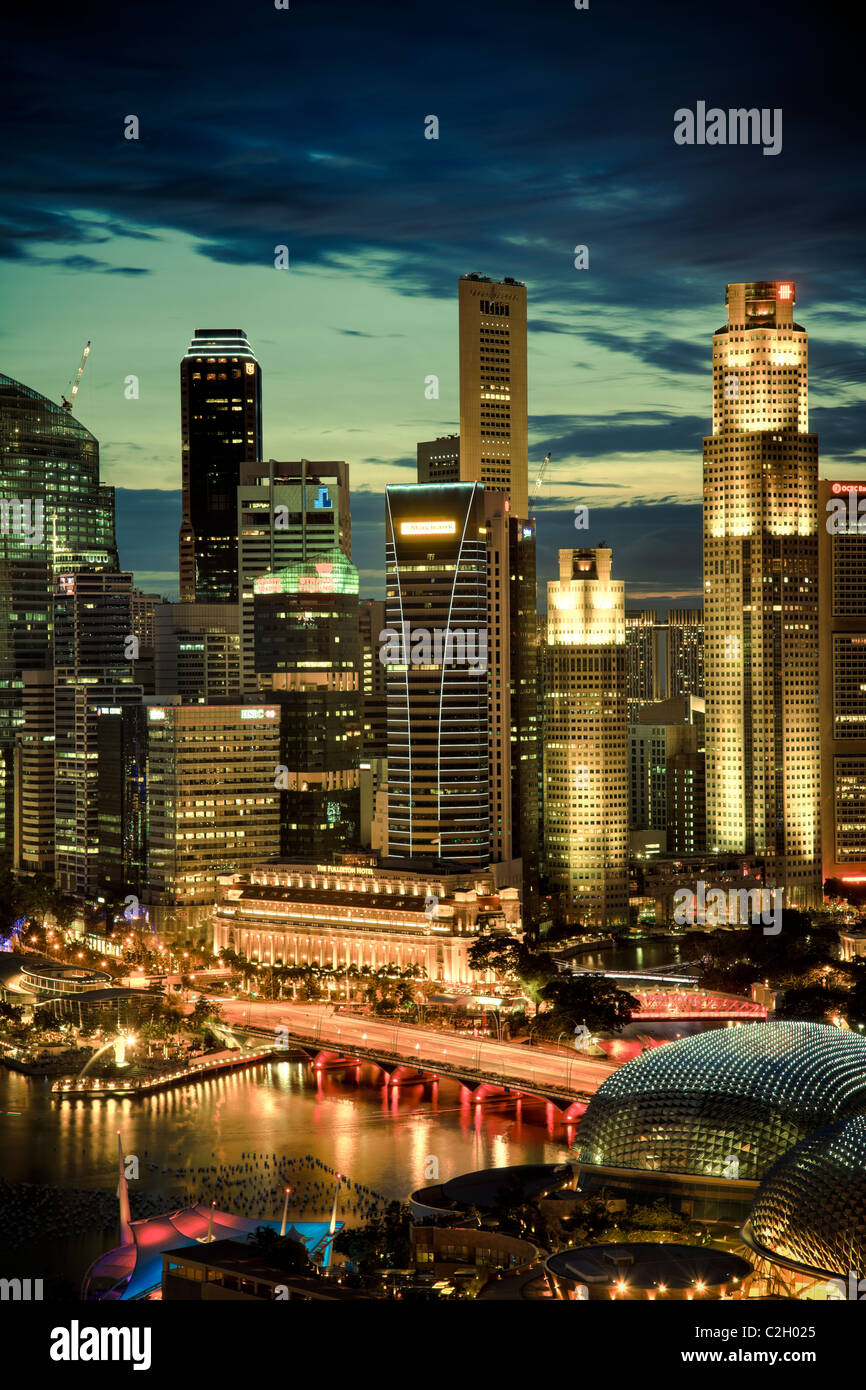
(814, 1002)
(282, 1252)
(589, 999)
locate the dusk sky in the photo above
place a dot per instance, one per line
(305, 127)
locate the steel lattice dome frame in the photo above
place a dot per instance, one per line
(727, 1103)
(810, 1211)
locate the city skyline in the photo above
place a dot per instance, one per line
(381, 222)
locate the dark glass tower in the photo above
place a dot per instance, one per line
(221, 428)
(308, 660)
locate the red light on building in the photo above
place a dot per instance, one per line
(786, 291)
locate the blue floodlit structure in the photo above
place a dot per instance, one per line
(134, 1270)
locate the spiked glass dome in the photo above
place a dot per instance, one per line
(810, 1210)
(727, 1103)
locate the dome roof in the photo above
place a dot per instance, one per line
(726, 1103)
(810, 1210)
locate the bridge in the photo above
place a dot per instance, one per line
(669, 1005)
(407, 1054)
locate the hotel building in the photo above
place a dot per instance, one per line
(362, 911)
(585, 739)
(842, 689)
(761, 594)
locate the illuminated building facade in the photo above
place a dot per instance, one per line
(55, 517)
(708, 1116)
(197, 652)
(684, 652)
(221, 428)
(643, 634)
(307, 658)
(666, 772)
(842, 629)
(358, 910)
(287, 511)
(438, 759)
(374, 702)
(585, 738)
(493, 404)
(761, 593)
(212, 804)
(439, 460)
(92, 618)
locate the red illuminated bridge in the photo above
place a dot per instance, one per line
(661, 1004)
(408, 1054)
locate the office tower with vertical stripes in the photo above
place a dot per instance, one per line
(436, 588)
(761, 594)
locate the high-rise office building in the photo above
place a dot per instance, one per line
(439, 460)
(55, 517)
(585, 739)
(642, 658)
(197, 652)
(493, 403)
(436, 659)
(374, 693)
(666, 772)
(684, 652)
(512, 692)
(842, 628)
(761, 594)
(221, 428)
(308, 663)
(287, 512)
(212, 805)
(92, 674)
(34, 775)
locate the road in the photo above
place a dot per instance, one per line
(510, 1063)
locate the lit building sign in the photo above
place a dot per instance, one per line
(328, 573)
(786, 291)
(258, 713)
(156, 714)
(428, 528)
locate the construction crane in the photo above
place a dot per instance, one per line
(68, 404)
(539, 480)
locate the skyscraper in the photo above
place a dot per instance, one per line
(761, 593)
(493, 404)
(92, 674)
(512, 680)
(308, 663)
(287, 512)
(842, 552)
(684, 652)
(585, 738)
(436, 659)
(642, 658)
(55, 517)
(221, 428)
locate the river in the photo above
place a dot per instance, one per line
(386, 1144)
